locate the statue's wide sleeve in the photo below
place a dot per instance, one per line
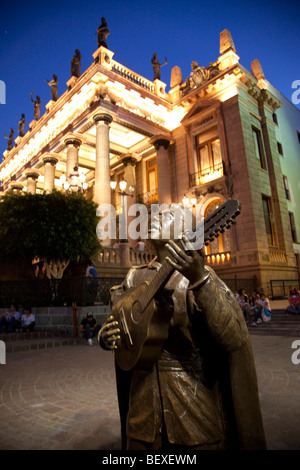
(221, 312)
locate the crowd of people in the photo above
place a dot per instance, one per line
(17, 320)
(256, 306)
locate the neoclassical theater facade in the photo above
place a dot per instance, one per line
(211, 137)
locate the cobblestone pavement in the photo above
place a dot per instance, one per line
(65, 398)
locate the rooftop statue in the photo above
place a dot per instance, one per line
(37, 107)
(157, 66)
(76, 64)
(53, 83)
(199, 75)
(102, 33)
(22, 125)
(10, 139)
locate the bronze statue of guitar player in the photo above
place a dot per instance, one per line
(190, 383)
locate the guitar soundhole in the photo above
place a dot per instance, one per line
(136, 312)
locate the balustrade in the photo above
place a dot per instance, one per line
(112, 256)
(132, 76)
(218, 259)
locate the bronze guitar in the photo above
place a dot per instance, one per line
(143, 324)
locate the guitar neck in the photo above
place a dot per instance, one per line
(161, 277)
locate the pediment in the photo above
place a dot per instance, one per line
(200, 108)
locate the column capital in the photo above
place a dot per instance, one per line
(160, 141)
(32, 174)
(129, 160)
(106, 118)
(16, 187)
(73, 141)
(51, 160)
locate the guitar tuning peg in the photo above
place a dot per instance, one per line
(228, 226)
(222, 230)
(206, 243)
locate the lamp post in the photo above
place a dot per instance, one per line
(76, 182)
(124, 245)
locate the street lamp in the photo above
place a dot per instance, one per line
(186, 200)
(76, 182)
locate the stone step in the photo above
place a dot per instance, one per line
(281, 324)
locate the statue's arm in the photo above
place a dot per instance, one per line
(214, 300)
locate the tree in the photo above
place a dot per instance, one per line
(55, 228)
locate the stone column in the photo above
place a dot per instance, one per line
(73, 145)
(129, 163)
(49, 173)
(102, 169)
(31, 182)
(161, 145)
(102, 193)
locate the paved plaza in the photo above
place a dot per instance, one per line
(65, 398)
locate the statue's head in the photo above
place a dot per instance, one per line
(170, 223)
(55, 78)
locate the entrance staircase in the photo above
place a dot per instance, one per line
(281, 324)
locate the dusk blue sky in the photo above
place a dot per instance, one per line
(38, 39)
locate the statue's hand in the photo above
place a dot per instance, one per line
(109, 333)
(190, 264)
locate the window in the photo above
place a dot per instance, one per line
(210, 165)
(286, 188)
(151, 174)
(293, 227)
(267, 208)
(274, 116)
(259, 149)
(279, 146)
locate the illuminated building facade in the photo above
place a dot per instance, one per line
(210, 138)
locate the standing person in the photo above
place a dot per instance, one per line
(11, 320)
(89, 327)
(294, 301)
(140, 246)
(92, 281)
(201, 392)
(27, 320)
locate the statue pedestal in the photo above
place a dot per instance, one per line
(50, 105)
(159, 88)
(228, 59)
(71, 82)
(103, 57)
(32, 124)
(18, 140)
